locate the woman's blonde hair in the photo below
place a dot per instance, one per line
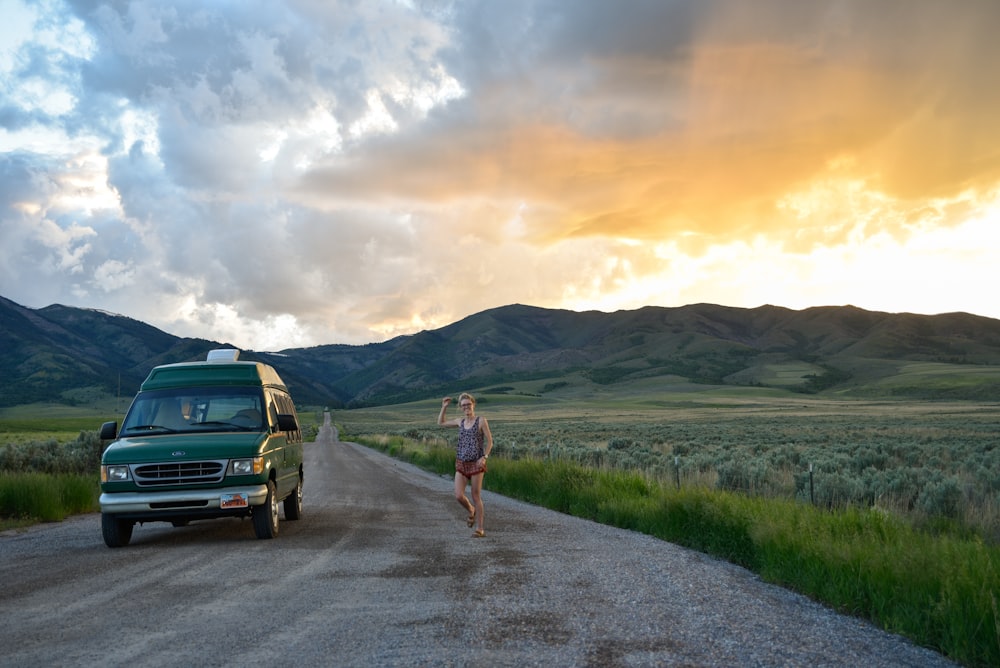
(466, 395)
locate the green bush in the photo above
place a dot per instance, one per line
(618, 443)
(837, 490)
(81, 456)
(741, 475)
(942, 497)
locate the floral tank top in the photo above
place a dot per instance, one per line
(470, 442)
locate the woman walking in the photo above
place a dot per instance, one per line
(474, 445)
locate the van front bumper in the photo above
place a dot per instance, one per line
(194, 501)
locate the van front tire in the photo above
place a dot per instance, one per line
(265, 516)
(117, 532)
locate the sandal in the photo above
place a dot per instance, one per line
(479, 534)
(471, 520)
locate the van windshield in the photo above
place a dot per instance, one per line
(196, 409)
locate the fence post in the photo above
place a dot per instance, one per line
(812, 489)
(677, 470)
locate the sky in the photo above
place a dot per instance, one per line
(289, 173)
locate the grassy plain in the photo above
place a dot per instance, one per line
(931, 461)
(919, 458)
(899, 525)
(53, 420)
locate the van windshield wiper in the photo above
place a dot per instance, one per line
(149, 427)
(227, 424)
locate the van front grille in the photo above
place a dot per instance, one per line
(178, 473)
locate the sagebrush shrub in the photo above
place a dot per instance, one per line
(942, 497)
(80, 456)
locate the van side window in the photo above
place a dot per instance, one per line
(278, 402)
(272, 412)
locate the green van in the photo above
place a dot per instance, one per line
(201, 440)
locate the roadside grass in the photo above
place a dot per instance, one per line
(49, 461)
(938, 589)
(29, 498)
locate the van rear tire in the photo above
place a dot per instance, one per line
(293, 503)
(117, 532)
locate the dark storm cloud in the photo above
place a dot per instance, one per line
(311, 171)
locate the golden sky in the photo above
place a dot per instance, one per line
(305, 173)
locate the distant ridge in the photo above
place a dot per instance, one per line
(54, 353)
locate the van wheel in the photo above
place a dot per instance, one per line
(117, 532)
(265, 516)
(293, 503)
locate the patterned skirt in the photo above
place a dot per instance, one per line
(469, 469)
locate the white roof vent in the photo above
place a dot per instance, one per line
(223, 355)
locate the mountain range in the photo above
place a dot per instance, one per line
(61, 353)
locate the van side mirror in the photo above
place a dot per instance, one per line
(287, 422)
(109, 431)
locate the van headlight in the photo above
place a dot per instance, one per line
(252, 466)
(114, 473)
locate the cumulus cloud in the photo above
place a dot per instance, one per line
(289, 173)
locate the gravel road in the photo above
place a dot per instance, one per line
(382, 571)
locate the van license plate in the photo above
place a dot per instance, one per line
(233, 501)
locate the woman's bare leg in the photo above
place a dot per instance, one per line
(477, 499)
(460, 493)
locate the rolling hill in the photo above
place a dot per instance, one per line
(53, 353)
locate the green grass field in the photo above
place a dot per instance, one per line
(928, 576)
(930, 462)
(52, 420)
